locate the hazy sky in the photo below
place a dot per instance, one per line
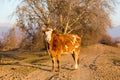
(8, 6)
(115, 17)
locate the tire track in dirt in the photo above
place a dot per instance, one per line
(44, 71)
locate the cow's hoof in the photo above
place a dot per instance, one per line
(53, 70)
(76, 66)
(58, 70)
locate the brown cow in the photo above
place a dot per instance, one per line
(60, 44)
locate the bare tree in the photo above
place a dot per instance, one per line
(84, 17)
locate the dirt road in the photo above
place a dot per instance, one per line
(97, 62)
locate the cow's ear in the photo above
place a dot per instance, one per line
(42, 32)
(54, 31)
(54, 28)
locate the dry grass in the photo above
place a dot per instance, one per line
(14, 57)
(37, 60)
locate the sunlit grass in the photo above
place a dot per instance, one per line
(11, 58)
(37, 60)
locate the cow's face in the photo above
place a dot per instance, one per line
(47, 34)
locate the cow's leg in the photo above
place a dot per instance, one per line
(73, 55)
(76, 61)
(76, 58)
(58, 61)
(53, 64)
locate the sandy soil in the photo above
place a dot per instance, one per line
(97, 62)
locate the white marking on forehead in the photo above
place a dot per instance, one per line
(48, 35)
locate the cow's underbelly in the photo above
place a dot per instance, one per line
(64, 52)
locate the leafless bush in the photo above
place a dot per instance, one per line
(11, 40)
(107, 40)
